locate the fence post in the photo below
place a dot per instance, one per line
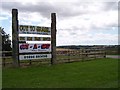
(104, 54)
(53, 37)
(15, 49)
(82, 55)
(30, 62)
(68, 55)
(79, 54)
(86, 54)
(4, 59)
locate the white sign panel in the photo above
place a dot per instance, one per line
(34, 56)
(25, 29)
(25, 48)
(21, 38)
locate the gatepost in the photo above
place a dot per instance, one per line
(53, 37)
(15, 49)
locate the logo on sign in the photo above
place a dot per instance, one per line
(35, 46)
(45, 46)
(24, 46)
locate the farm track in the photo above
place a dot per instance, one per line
(113, 56)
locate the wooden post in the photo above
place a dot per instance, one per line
(3, 59)
(15, 49)
(104, 54)
(82, 55)
(79, 53)
(1, 52)
(30, 62)
(68, 55)
(53, 37)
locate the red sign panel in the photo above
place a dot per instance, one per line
(34, 48)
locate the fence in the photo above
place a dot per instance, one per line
(6, 57)
(63, 55)
(71, 55)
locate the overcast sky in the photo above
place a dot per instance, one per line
(78, 22)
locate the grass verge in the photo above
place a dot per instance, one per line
(99, 73)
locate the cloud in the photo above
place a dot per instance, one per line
(44, 8)
(88, 39)
(3, 18)
(76, 21)
(110, 6)
(63, 9)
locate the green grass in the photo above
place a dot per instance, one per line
(101, 73)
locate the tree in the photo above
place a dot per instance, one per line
(6, 42)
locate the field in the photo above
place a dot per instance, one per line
(98, 73)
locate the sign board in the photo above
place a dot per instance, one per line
(43, 34)
(25, 29)
(25, 48)
(34, 56)
(29, 29)
(21, 38)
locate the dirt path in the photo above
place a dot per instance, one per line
(113, 56)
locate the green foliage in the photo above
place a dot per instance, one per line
(99, 73)
(6, 42)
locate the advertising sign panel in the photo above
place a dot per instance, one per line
(22, 38)
(25, 48)
(28, 48)
(34, 56)
(25, 29)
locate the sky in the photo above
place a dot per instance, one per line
(79, 22)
